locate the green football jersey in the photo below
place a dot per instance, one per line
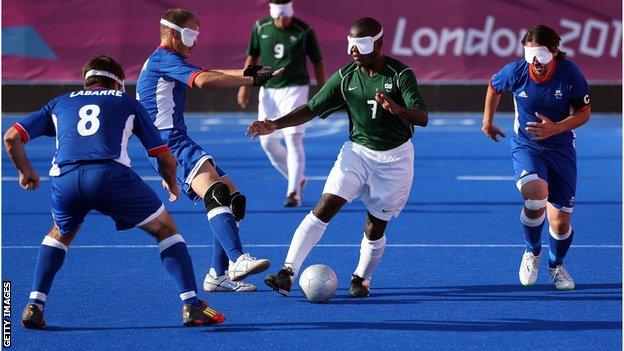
(371, 125)
(284, 47)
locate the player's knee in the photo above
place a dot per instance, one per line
(536, 205)
(535, 189)
(217, 195)
(238, 205)
(559, 226)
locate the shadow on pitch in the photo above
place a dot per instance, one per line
(506, 324)
(509, 292)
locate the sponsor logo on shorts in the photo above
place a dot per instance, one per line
(522, 94)
(558, 94)
(352, 88)
(388, 87)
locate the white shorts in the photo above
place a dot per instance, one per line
(274, 103)
(382, 178)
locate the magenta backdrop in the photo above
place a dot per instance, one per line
(442, 40)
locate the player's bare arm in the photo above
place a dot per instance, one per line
(227, 78)
(413, 116)
(300, 115)
(167, 166)
(488, 127)
(28, 177)
(547, 128)
(319, 73)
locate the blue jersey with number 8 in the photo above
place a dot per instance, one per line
(92, 125)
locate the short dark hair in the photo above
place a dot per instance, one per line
(546, 36)
(178, 17)
(280, 2)
(367, 25)
(102, 63)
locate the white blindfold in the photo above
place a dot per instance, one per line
(542, 54)
(281, 10)
(189, 36)
(106, 74)
(365, 45)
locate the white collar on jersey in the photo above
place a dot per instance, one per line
(95, 72)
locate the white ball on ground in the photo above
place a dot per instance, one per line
(318, 283)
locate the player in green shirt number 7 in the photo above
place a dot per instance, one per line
(383, 103)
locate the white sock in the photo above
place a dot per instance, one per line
(296, 162)
(308, 233)
(276, 153)
(370, 256)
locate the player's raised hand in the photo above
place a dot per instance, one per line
(29, 179)
(387, 103)
(173, 189)
(264, 127)
(491, 131)
(543, 129)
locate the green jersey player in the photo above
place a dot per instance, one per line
(383, 103)
(284, 41)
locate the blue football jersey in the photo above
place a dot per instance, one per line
(161, 88)
(92, 125)
(556, 96)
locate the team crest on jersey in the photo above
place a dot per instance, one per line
(558, 94)
(293, 39)
(388, 87)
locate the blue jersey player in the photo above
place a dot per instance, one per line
(551, 99)
(91, 171)
(161, 88)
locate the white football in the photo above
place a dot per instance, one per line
(318, 283)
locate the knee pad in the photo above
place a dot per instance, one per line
(238, 205)
(535, 205)
(217, 195)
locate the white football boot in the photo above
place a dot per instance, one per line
(214, 283)
(529, 268)
(246, 265)
(562, 279)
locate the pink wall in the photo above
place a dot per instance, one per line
(442, 40)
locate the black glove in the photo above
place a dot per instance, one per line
(260, 75)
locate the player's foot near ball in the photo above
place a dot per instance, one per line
(202, 315)
(359, 287)
(32, 317)
(246, 265)
(280, 281)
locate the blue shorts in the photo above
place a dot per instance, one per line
(554, 164)
(190, 158)
(107, 187)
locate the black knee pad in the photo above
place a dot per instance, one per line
(217, 195)
(239, 205)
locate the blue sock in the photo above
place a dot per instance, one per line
(49, 262)
(177, 261)
(226, 231)
(559, 245)
(219, 259)
(532, 228)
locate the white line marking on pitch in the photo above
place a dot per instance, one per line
(469, 177)
(11, 247)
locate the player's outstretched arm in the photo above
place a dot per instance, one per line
(300, 115)
(167, 166)
(229, 78)
(28, 177)
(411, 115)
(488, 127)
